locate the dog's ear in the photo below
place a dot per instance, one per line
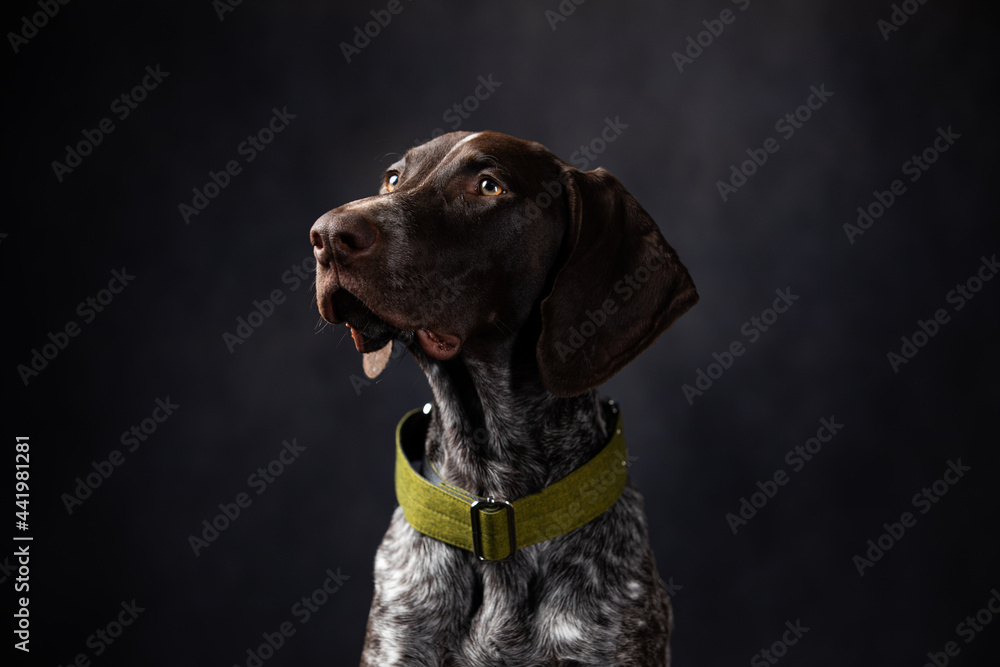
(619, 287)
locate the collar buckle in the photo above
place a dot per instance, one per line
(491, 507)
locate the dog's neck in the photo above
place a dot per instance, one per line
(497, 432)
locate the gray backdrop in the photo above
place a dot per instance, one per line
(123, 311)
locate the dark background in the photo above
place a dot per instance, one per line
(162, 336)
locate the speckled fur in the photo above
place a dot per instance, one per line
(590, 597)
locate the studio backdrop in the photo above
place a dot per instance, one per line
(200, 471)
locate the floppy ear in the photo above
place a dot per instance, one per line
(620, 286)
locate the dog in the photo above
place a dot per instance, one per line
(519, 284)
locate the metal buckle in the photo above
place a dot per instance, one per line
(477, 533)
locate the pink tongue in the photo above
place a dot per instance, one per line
(373, 362)
(439, 346)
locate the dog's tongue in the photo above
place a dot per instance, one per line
(372, 362)
(375, 362)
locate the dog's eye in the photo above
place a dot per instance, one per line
(391, 181)
(489, 188)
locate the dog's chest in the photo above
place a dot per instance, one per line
(432, 608)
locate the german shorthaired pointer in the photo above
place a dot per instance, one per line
(519, 284)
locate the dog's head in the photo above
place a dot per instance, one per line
(476, 239)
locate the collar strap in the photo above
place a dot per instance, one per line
(494, 529)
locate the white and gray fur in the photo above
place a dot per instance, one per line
(592, 597)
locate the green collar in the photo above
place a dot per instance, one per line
(494, 529)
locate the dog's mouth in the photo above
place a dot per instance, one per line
(370, 332)
(373, 335)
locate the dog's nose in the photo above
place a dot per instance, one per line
(342, 237)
